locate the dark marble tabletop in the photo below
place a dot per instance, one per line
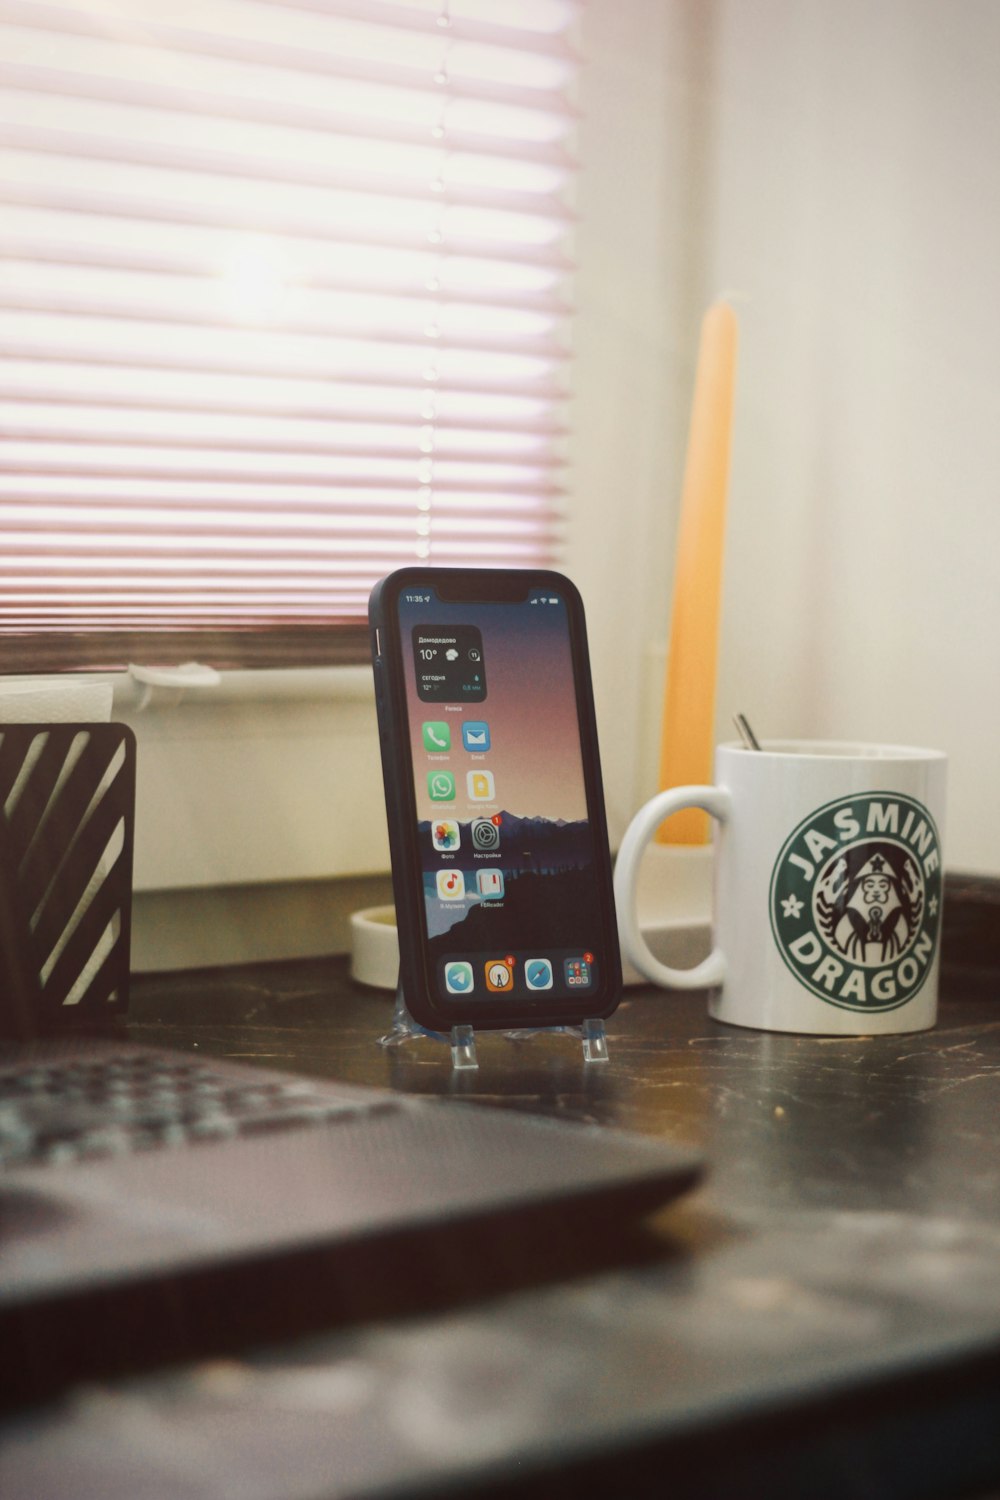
(821, 1317)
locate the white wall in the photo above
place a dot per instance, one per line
(833, 163)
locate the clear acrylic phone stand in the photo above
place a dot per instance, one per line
(462, 1039)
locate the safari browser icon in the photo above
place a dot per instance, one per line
(538, 974)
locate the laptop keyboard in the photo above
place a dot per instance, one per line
(65, 1112)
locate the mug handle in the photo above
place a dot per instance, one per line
(714, 800)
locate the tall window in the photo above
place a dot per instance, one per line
(284, 292)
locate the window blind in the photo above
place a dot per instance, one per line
(284, 300)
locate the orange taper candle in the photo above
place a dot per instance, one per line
(686, 745)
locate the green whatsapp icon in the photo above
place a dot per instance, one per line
(441, 786)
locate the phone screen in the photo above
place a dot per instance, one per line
(506, 845)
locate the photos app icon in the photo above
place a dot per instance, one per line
(445, 835)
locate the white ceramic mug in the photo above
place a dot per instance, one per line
(827, 887)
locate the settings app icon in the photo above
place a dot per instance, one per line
(485, 834)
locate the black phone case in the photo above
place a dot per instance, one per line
(397, 773)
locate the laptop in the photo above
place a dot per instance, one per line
(158, 1206)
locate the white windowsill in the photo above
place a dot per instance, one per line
(286, 684)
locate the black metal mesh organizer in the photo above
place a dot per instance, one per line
(67, 793)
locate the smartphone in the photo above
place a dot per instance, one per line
(500, 863)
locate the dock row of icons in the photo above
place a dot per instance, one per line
(499, 974)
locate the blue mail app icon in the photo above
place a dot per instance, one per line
(476, 734)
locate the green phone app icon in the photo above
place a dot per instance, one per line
(441, 786)
(437, 735)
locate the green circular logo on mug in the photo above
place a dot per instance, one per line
(855, 900)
